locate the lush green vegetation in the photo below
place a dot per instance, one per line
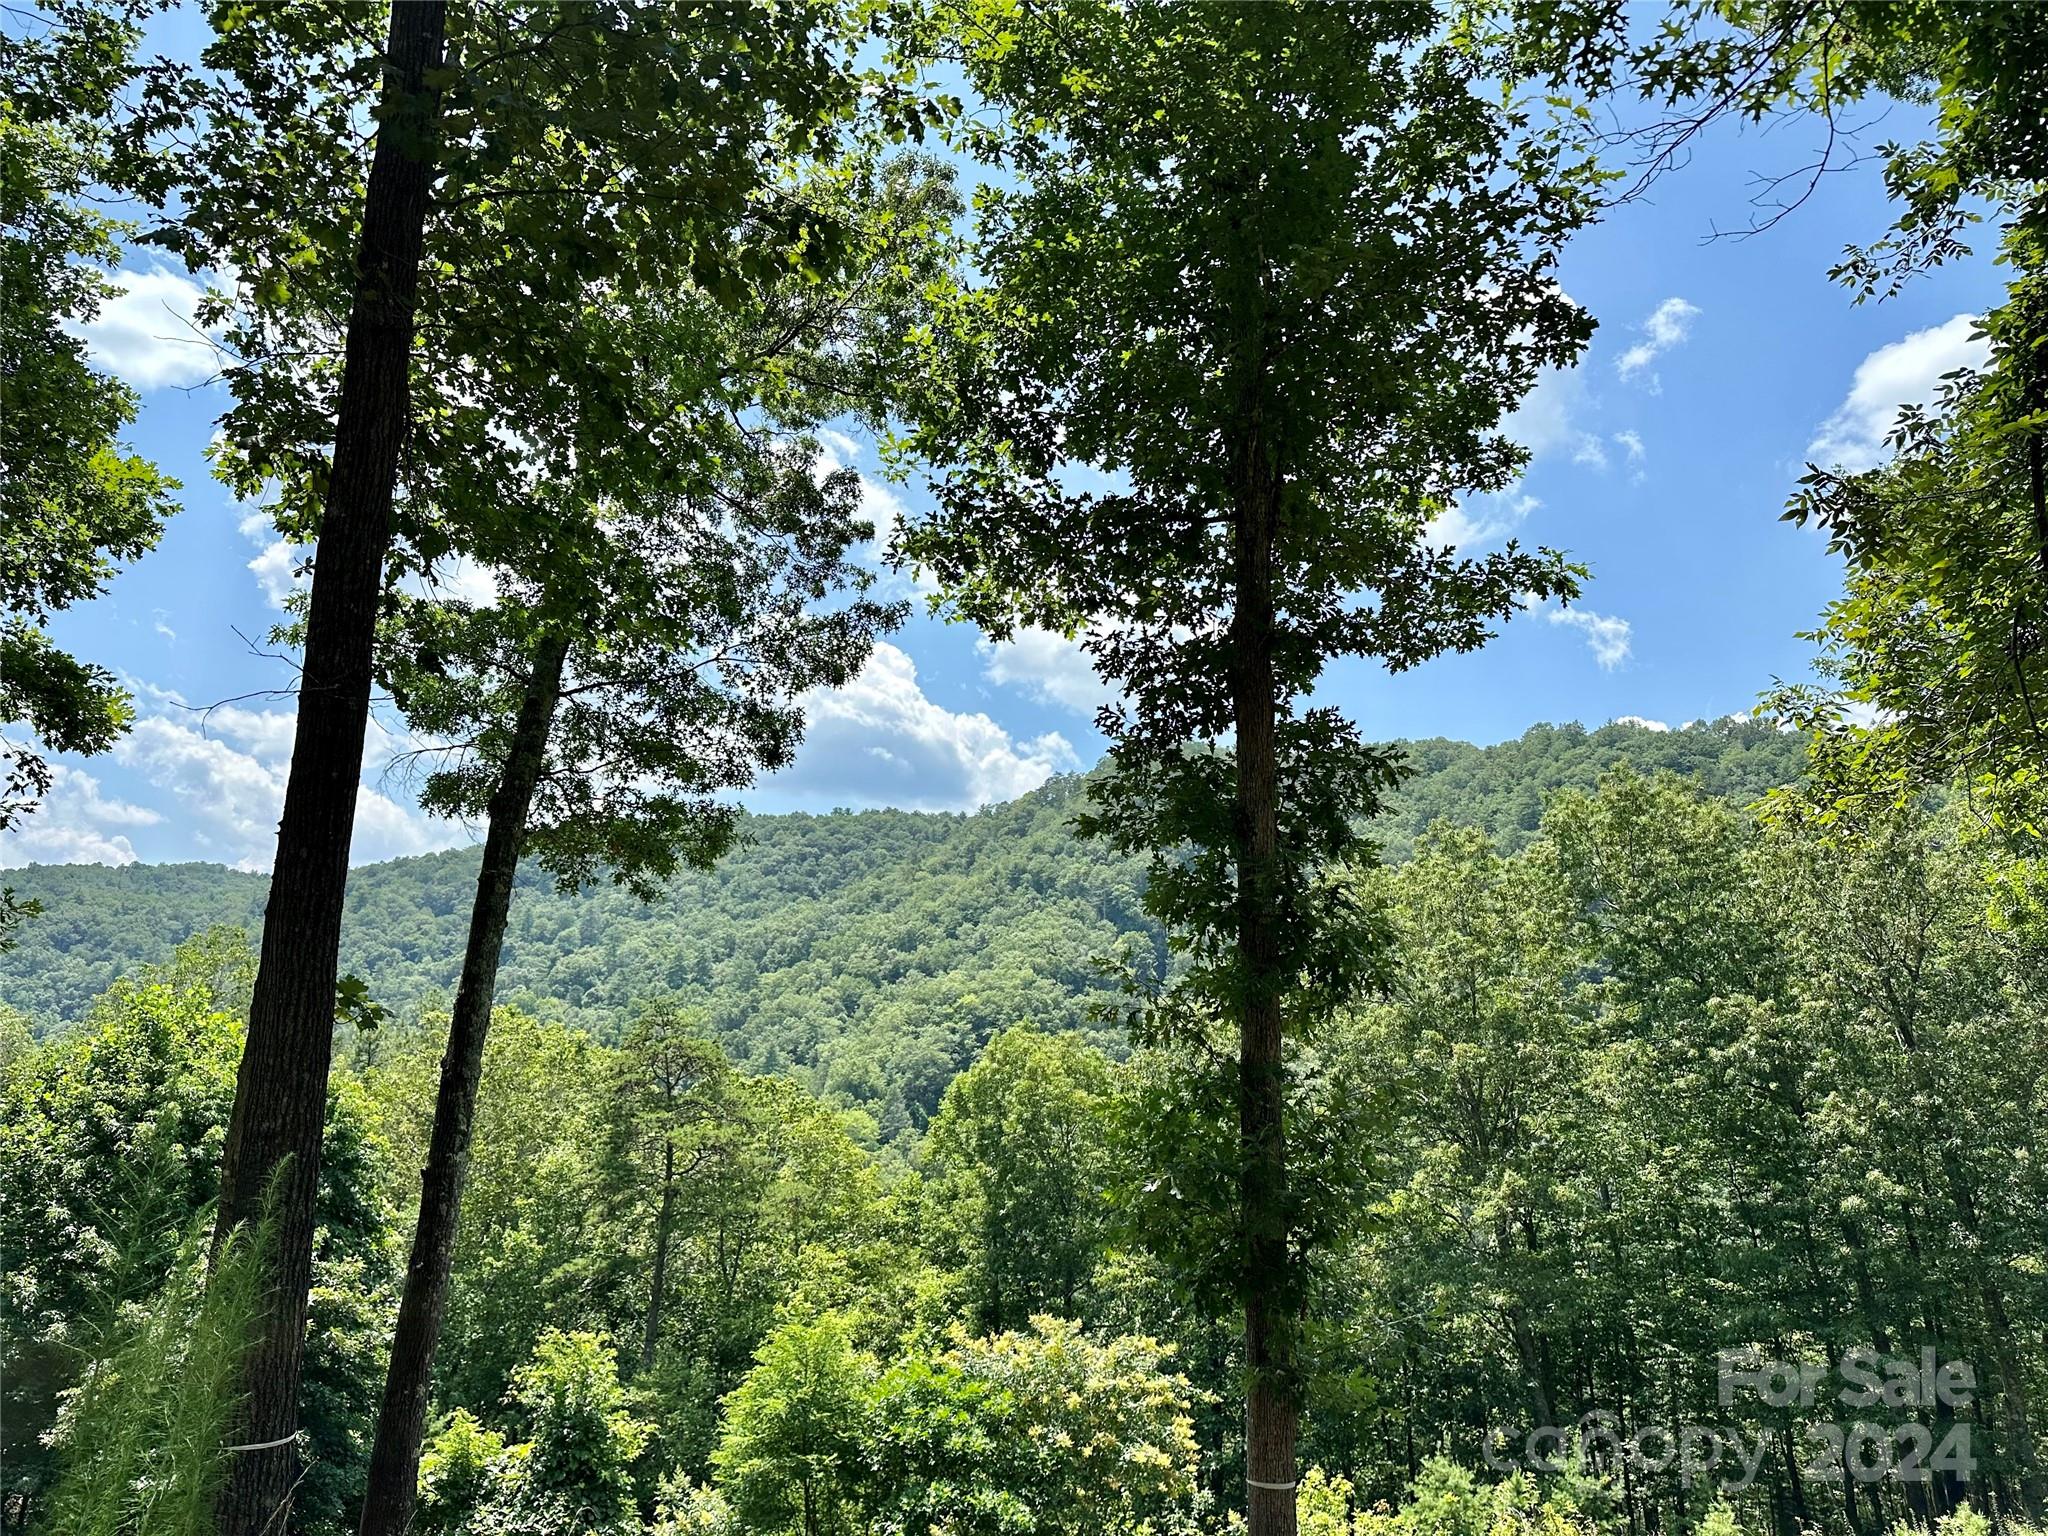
(1146, 1157)
(876, 950)
(1641, 1089)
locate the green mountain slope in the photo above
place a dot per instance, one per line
(877, 949)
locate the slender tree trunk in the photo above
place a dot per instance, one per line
(395, 1456)
(1270, 1406)
(657, 1282)
(1530, 1355)
(273, 1142)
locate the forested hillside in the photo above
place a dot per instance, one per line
(1277, 1131)
(1658, 1051)
(880, 948)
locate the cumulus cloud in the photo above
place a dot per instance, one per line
(278, 561)
(1543, 422)
(1907, 372)
(1631, 443)
(223, 771)
(75, 824)
(146, 333)
(1049, 667)
(461, 579)
(1665, 327)
(1606, 637)
(1480, 519)
(1639, 721)
(839, 449)
(228, 800)
(879, 740)
(267, 734)
(1550, 424)
(880, 504)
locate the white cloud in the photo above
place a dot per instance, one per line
(839, 449)
(1631, 443)
(225, 775)
(879, 504)
(1547, 423)
(1666, 326)
(267, 734)
(879, 740)
(277, 561)
(1638, 720)
(74, 825)
(1049, 667)
(1907, 372)
(1542, 423)
(1480, 519)
(146, 333)
(461, 579)
(228, 800)
(1606, 637)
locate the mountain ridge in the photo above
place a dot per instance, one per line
(874, 950)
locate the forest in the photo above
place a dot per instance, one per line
(1273, 1129)
(874, 952)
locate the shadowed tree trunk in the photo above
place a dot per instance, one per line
(657, 1280)
(395, 1457)
(1270, 1409)
(273, 1142)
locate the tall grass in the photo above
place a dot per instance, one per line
(143, 1437)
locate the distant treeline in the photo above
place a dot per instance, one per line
(877, 950)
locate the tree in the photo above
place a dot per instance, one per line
(1273, 275)
(1020, 1153)
(793, 1430)
(119, 1125)
(536, 1238)
(1932, 659)
(573, 1472)
(606, 704)
(72, 504)
(582, 1441)
(675, 1110)
(1482, 1041)
(637, 145)
(1043, 1430)
(273, 1144)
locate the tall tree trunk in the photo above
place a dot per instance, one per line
(657, 1280)
(395, 1456)
(273, 1142)
(1270, 1405)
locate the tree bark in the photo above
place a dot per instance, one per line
(393, 1484)
(272, 1157)
(657, 1280)
(1270, 1406)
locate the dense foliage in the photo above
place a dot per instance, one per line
(1273, 1132)
(878, 950)
(1666, 1080)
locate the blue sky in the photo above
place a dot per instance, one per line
(1662, 462)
